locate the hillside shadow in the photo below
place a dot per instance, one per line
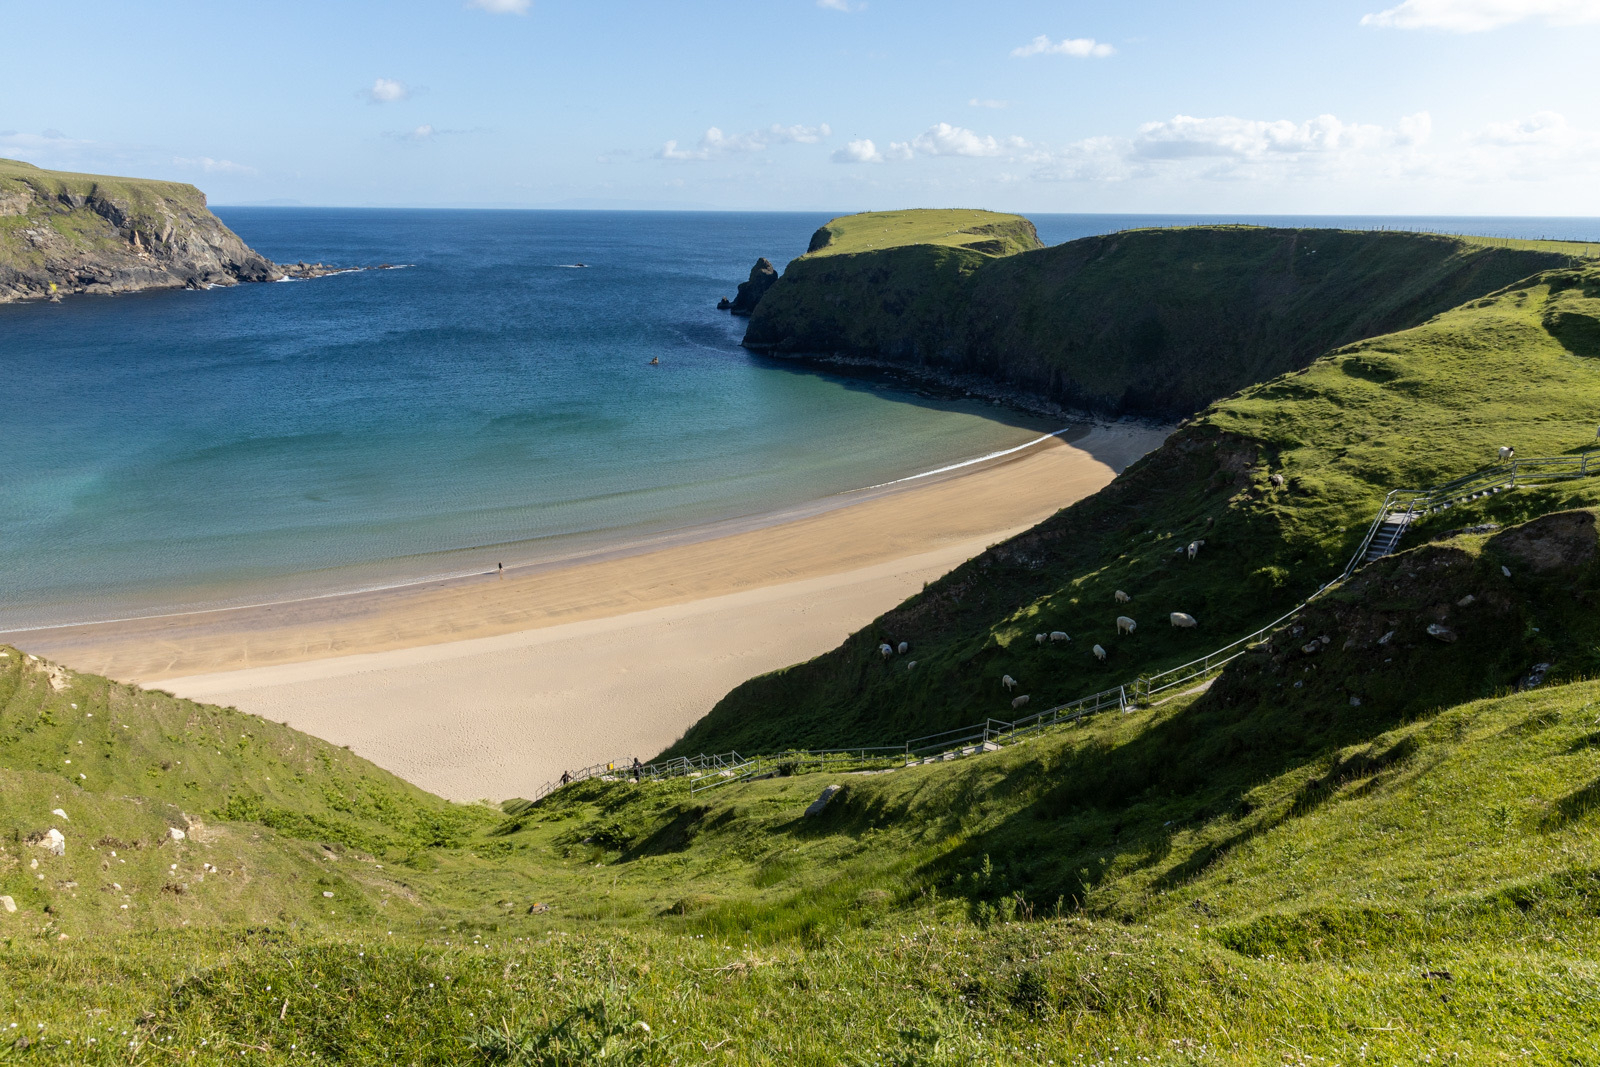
(1198, 766)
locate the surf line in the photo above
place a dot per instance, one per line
(963, 463)
(458, 575)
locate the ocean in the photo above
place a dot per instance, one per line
(491, 401)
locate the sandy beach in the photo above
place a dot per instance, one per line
(486, 687)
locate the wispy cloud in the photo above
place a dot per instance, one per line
(1477, 16)
(714, 142)
(212, 166)
(502, 7)
(841, 5)
(425, 132)
(994, 104)
(387, 91)
(1229, 148)
(1076, 47)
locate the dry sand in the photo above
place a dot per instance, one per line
(487, 688)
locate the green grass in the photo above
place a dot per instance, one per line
(921, 919)
(987, 232)
(1154, 322)
(1409, 409)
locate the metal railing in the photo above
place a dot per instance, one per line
(712, 771)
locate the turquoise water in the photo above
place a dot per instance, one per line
(491, 402)
(488, 403)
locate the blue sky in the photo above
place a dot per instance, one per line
(1337, 106)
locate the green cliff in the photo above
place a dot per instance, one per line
(66, 233)
(1279, 480)
(1149, 322)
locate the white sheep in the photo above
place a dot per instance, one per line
(1182, 620)
(1194, 548)
(1099, 653)
(886, 651)
(905, 646)
(1126, 625)
(1121, 597)
(912, 665)
(1019, 702)
(1009, 682)
(1040, 639)
(1058, 635)
(1507, 452)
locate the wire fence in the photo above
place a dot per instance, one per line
(1399, 505)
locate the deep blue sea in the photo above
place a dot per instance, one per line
(489, 402)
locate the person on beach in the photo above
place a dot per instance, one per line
(501, 568)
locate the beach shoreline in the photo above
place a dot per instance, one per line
(567, 662)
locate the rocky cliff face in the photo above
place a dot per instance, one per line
(78, 233)
(762, 277)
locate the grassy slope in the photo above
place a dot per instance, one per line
(1147, 321)
(1402, 410)
(1201, 925)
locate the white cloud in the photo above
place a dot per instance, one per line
(861, 151)
(840, 5)
(1476, 16)
(502, 7)
(715, 143)
(1077, 47)
(212, 166)
(387, 91)
(947, 140)
(996, 104)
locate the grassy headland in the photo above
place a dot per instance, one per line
(1152, 322)
(68, 233)
(987, 232)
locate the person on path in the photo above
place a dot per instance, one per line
(565, 777)
(636, 768)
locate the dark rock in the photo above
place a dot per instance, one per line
(822, 801)
(724, 304)
(762, 277)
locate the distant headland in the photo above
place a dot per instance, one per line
(64, 233)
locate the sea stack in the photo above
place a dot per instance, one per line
(762, 277)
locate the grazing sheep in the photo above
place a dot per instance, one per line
(1182, 620)
(1040, 638)
(911, 665)
(1009, 682)
(1058, 635)
(1194, 548)
(1019, 702)
(1507, 452)
(905, 646)
(1277, 480)
(1121, 597)
(1099, 653)
(1126, 625)
(886, 651)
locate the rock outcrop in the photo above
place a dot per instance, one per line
(66, 233)
(762, 277)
